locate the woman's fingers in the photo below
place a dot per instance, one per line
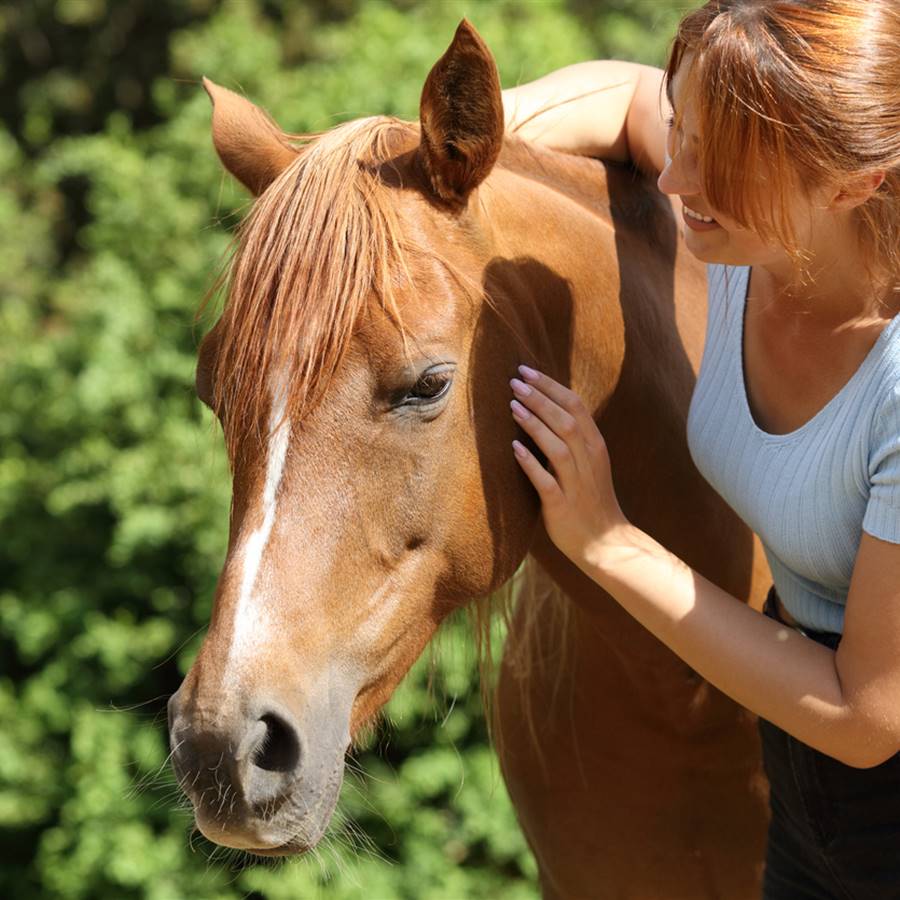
(569, 409)
(560, 422)
(544, 483)
(577, 496)
(556, 449)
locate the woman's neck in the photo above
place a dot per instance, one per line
(831, 287)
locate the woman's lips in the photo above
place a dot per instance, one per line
(695, 220)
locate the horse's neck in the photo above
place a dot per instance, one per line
(596, 251)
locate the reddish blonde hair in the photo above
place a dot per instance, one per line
(798, 93)
(318, 243)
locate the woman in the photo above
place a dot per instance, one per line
(781, 147)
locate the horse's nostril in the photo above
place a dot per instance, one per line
(279, 750)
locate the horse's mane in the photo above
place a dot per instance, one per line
(318, 242)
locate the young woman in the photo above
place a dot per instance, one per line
(780, 141)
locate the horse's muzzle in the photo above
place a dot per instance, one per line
(252, 783)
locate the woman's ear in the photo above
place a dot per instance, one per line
(461, 114)
(251, 146)
(857, 190)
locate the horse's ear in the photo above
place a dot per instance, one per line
(251, 146)
(206, 364)
(461, 114)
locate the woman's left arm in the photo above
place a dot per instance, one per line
(845, 703)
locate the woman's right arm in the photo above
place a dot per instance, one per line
(605, 108)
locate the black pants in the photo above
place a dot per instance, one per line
(835, 830)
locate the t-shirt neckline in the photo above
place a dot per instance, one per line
(836, 399)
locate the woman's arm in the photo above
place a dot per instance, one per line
(606, 108)
(844, 703)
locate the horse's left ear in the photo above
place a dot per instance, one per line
(251, 146)
(461, 113)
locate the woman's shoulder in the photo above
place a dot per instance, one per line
(884, 421)
(887, 369)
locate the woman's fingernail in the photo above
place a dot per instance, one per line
(519, 450)
(518, 410)
(519, 387)
(530, 374)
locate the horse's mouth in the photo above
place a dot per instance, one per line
(290, 826)
(291, 848)
(294, 846)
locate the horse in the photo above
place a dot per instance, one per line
(385, 285)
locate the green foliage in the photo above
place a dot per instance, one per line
(113, 487)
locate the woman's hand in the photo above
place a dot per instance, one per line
(578, 502)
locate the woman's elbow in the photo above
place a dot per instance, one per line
(871, 745)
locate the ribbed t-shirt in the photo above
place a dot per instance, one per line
(809, 494)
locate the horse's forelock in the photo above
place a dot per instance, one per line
(319, 243)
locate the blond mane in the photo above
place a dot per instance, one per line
(317, 246)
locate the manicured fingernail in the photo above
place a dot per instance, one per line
(530, 374)
(519, 450)
(519, 387)
(518, 410)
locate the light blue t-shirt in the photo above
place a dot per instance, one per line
(810, 493)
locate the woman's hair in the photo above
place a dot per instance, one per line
(790, 94)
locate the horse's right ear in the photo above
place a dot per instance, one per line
(251, 146)
(461, 114)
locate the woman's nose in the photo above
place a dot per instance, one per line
(674, 180)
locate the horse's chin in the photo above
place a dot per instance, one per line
(291, 848)
(285, 834)
(296, 845)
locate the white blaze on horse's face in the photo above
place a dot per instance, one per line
(252, 620)
(256, 617)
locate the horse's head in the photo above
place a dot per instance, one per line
(361, 382)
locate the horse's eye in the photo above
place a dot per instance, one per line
(430, 386)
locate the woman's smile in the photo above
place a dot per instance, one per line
(697, 221)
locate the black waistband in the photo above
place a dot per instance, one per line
(827, 638)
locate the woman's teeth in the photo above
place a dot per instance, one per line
(695, 215)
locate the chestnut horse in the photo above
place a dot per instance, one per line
(383, 289)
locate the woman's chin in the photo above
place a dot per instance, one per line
(707, 246)
(716, 247)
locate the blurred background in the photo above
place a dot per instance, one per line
(114, 491)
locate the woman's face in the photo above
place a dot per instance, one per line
(711, 235)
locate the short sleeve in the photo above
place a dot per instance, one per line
(882, 518)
